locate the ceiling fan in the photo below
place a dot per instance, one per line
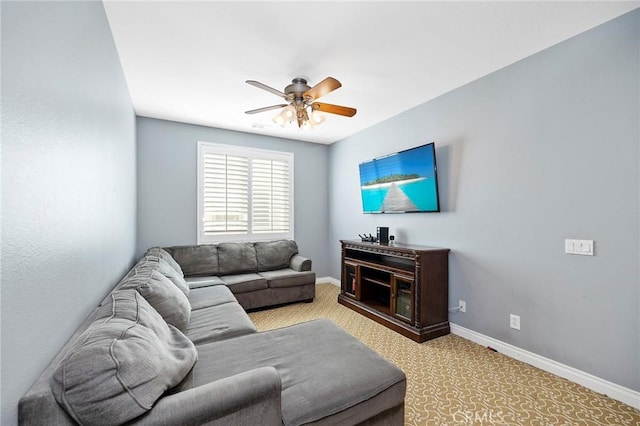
(301, 106)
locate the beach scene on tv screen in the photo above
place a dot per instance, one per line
(402, 182)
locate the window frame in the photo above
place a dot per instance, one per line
(251, 153)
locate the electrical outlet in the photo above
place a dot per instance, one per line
(462, 305)
(514, 321)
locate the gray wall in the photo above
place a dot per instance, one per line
(68, 180)
(540, 151)
(167, 185)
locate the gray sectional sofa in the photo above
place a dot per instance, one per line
(258, 274)
(157, 352)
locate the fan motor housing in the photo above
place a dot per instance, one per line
(297, 87)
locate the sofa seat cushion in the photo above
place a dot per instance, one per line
(108, 376)
(237, 258)
(219, 322)
(288, 278)
(272, 255)
(324, 370)
(197, 282)
(243, 283)
(205, 297)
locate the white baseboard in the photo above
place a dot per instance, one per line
(612, 390)
(329, 280)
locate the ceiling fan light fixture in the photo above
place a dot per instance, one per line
(301, 108)
(279, 119)
(316, 117)
(289, 113)
(307, 125)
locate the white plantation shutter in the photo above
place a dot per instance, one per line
(244, 194)
(270, 195)
(225, 188)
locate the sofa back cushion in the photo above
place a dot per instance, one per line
(154, 262)
(200, 260)
(272, 255)
(162, 253)
(169, 300)
(166, 299)
(237, 258)
(122, 363)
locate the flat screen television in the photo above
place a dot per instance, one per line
(403, 182)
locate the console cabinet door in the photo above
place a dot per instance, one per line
(402, 301)
(351, 280)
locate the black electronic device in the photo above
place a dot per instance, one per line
(367, 238)
(383, 235)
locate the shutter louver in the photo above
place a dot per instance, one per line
(270, 184)
(225, 194)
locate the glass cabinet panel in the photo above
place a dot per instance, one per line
(403, 297)
(350, 278)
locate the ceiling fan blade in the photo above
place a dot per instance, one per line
(268, 89)
(269, 108)
(334, 109)
(327, 85)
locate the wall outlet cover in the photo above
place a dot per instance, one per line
(514, 321)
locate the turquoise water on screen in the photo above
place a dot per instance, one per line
(422, 193)
(372, 199)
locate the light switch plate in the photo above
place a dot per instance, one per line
(581, 247)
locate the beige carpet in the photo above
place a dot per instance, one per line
(452, 381)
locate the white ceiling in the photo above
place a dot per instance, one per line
(188, 61)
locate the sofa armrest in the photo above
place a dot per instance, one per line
(252, 397)
(300, 263)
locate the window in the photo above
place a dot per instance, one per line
(244, 194)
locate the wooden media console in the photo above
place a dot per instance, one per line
(403, 287)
